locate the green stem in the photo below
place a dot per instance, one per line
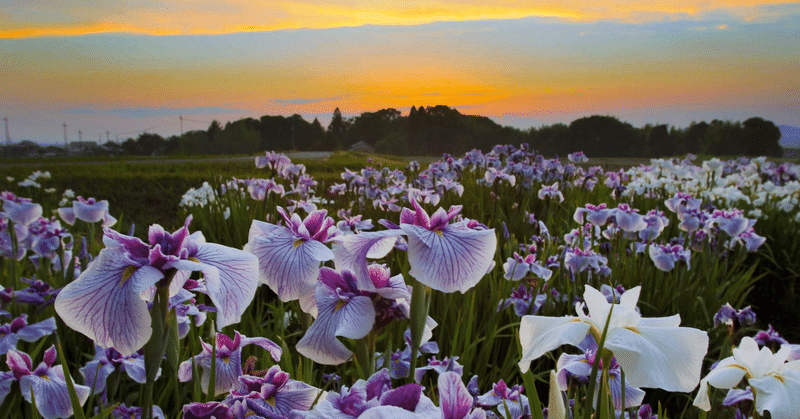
(365, 354)
(419, 315)
(156, 347)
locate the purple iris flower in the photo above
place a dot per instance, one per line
(731, 222)
(88, 210)
(210, 410)
(733, 318)
(518, 267)
(524, 301)
(447, 256)
(577, 260)
(289, 256)
(345, 310)
(439, 367)
(665, 256)
(505, 398)
(551, 191)
(628, 218)
(683, 200)
(579, 368)
(656, 221)
(45, 382)
(19, 329)
(229, 360)
(272, 395)
(577, 157)
(106, 361)
(125, 412)
(373, 399)
(106, 302)
(19, 210)
(595, 214)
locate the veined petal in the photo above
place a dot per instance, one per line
(352, 319)
(452, 259)
(454, 398)
(274, 350)
(91, 213)
(351, 253)
(289, 268)
(104, 303)
(231, 283)
(228, 371)
(660, 357)
(95, 375)
(778, 395)
(295, 395)
(52, 397)
(388, 412)
(539, 334)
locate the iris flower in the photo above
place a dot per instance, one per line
(45, 382)
(272, 395)
(774, 381)
(289, 256)
(88, 210)
(106, 303)
(19, 329)
(229, 361)
(445, 256)
(653, 352)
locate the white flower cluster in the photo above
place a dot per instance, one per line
(201, 196)
(32, 179)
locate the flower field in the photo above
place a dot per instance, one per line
(500, 284)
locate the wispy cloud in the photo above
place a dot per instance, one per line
(187, 17)
(156, 111)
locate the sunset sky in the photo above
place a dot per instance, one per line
(134, 66)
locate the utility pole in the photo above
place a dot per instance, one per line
(65, 135)
(181, 118)
(80, 136)
(8, 137)
(108, 137)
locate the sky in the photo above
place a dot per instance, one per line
(113, 70)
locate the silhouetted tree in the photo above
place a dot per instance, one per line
(761, 138)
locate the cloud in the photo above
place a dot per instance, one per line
(191, 17)
(155, 111)
(305, 101)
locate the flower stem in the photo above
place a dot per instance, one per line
(156, 347)
(419, 315)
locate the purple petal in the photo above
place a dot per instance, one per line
(135, 369)
(274, 350)
(289, 268)
(230, 282)
(68, 215)
(295, 395)
(95, 375)
(454, 259)
(352, 251)
(406, 396)
(22, 213)
(105, 306)
(352, 319)
(91, 213)
(34, 332)
(454, 398)
(6, 379)
(52, 397)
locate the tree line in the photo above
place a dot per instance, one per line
(434, 130)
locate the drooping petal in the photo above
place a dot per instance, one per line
(295, 395)
(352, 319)
(351, 253)
(454, 398)
(660, 357)
(104, 302)
(52, 397)
(726, 375)
(288, 266)
(68, 215)
(34, 332)
(273, 348)
(449, 260)
(539, 334)
(95, 374)
(231, 283)
(134, 367)
(778, 395)
(22, 213)
(91, 213)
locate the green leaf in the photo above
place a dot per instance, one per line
(105, 412)
(73, 396)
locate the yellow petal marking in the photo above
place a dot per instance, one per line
(127, 273)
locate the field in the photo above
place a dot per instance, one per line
(527, 241)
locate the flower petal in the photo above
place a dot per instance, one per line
(68, 215)
(539, 334)
(274, 350)
(351, 253)
(660, 357)
(449, 260)
(778, 395)
(352, 319)
(724, 376)
(232, 283)
(290, 269)
(454, 398)
(95, 375)
(105, 306)
(52, 397)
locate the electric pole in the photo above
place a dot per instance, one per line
(80, 136)
(181, 118)
(108, 137)
(65, 136)
(8, 137)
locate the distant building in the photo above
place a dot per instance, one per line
(361, 147)
(82, 148)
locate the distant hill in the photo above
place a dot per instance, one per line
(790, 136)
